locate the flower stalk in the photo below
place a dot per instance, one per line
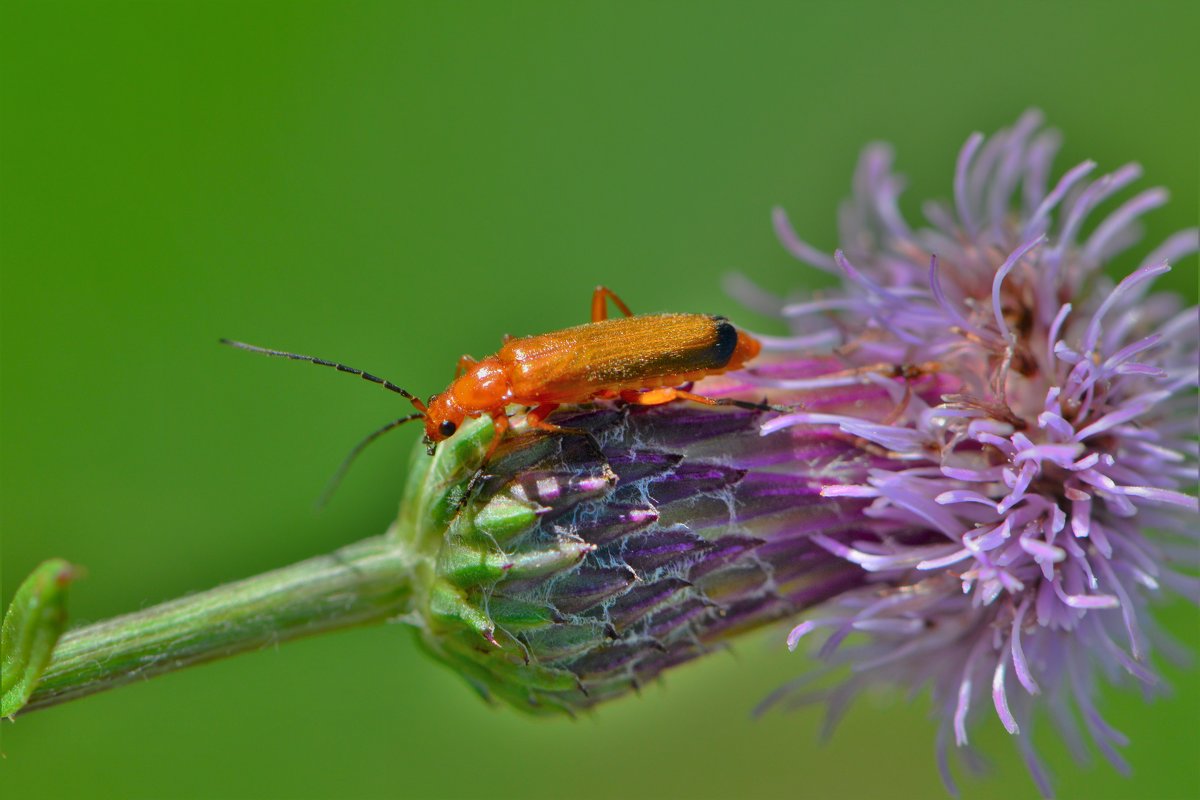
(369, 582)
(362, 584)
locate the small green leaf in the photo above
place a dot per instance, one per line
(35, 619)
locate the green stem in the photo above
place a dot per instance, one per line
(367, 582)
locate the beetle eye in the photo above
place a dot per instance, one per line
(447, 428)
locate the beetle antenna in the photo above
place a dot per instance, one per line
(344, 467)
(763, 406)
(391, 387)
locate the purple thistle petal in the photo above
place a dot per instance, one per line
(751, 295)
(1037, 170)
(1086, 600)
(964, 693)
(1036, 225)
(954, 557)
(960, 474)
(1099, 246)
(964, 496)
(1175, 248)
(836, 490)
(796, 246)
(1002, 273)
(939, 295)
(1052, 340)
(961, 202)
(815, 306)
(1043, 553)
(1000, 698)
(1035, 767)
(1129, 351)
(1126, 286)
(799, 632)
(1063, 455)
(1162, 496)
(1020, 665)
(1095, 194)
(814, 341)
(941, 217)
(886, 191)
(943, 764)
(1008, 172)
(1056, 424)
(1131, 411)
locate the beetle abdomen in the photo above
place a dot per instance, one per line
(726, 338)
(575, 364)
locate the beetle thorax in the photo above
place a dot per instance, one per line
(483, 388)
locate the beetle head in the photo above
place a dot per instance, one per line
(443, 417)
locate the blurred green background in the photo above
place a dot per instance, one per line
(397, 184)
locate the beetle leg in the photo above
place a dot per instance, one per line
(657, 397)
(728, 401)
(654, 397)
(600, 305)
(536, 418)
(499, 428)
(464, 364)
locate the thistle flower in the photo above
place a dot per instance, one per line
(1030, 508)
(986, 431)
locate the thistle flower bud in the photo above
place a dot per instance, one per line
(586, 565)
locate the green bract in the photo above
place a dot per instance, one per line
(463, 553)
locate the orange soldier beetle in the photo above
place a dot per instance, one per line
(639, 359)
